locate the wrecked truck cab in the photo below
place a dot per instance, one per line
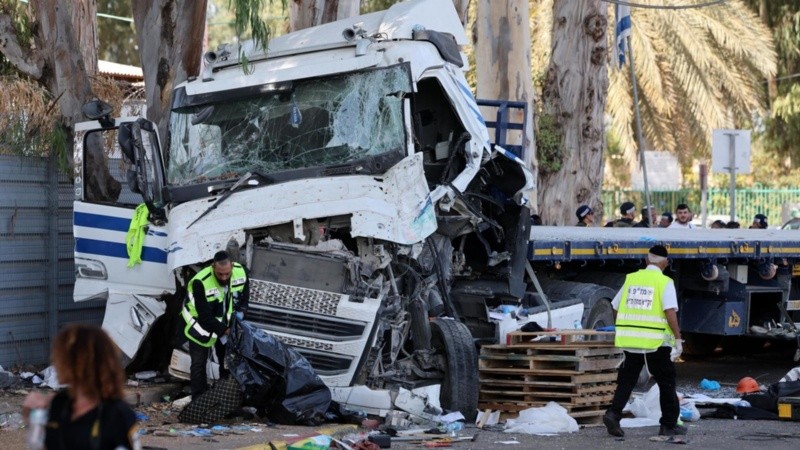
(349, 168)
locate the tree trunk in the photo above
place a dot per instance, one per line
(772, 82)
(170, 37)
(574, 99)
(461, 8)
(66, 77)
(503, 69)
(83, 12)
(310, 13)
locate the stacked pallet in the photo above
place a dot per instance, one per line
(574, 368)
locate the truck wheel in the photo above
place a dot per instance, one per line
(699, 344)
(601, 315)
(459, 390)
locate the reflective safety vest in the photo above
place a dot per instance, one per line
(641, 322)
(221, 305)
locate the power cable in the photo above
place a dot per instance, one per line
(646, 6)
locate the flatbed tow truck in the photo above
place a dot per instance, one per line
(731, 284)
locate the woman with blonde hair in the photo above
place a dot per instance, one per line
(90, 413)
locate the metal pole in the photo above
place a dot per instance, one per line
(704, 194)
(52, 251)
(639, 133)
(732, 171)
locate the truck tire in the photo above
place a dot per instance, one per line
(699, 344)
(596, 300)
(601, 315)
(459, 391)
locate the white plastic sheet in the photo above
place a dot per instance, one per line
(547, 420)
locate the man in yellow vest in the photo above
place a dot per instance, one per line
(645, 311)
(213, 295)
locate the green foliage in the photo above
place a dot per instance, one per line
(368, 6)
(247, 17)
(549, 151)
(116, 38)
(779, 132)
(787, 107)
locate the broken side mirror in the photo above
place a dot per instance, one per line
(100, 111)
(147, 176)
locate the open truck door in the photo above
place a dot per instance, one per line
(111, 181)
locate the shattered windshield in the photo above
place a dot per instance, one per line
(308, 123)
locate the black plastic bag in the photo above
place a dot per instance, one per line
(275, 378)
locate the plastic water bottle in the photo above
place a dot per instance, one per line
(453, 428)
(577, 325)
(36, 431)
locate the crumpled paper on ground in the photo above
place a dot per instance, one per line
(547, 420)
(51, 378)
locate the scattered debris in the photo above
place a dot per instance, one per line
(547, 420)
(709, 385)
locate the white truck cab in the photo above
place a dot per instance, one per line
(349, 168)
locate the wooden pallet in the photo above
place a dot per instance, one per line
(553, 357)
(574, 370)
(578, 338)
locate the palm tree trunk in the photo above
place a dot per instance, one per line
(574, 98)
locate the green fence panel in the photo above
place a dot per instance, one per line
(749, 202)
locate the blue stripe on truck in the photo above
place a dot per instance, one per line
(117, 250)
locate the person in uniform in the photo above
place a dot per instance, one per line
(645, 311)
(585, 216)
(213, 295)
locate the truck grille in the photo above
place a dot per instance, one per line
(300, 323)
(292, 297)
(327, 364)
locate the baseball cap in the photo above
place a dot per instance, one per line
(583, 211)
(667, 215)
(627, 208)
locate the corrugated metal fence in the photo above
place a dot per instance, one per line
(36, 260)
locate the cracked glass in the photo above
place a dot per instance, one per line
(316, 123)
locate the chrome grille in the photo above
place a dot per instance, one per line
(281, 295)
(306, 324)
(304, 343)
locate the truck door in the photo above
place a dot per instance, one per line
(110, 182)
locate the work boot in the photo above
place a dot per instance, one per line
(676, 430)
(611, 421)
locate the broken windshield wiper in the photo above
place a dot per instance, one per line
(239, 183)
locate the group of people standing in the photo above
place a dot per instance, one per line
(650, 218)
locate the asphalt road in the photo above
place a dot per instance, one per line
(766, 367)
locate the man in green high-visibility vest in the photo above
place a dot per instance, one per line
(645, 311)
(213, 295)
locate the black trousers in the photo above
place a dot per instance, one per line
(662, 369)
(199, 356)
